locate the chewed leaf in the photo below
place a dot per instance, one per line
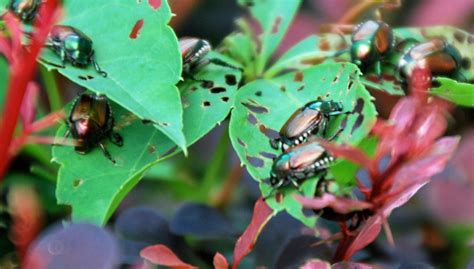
(138, 51)
(103, 185)
(274, 18)
(459, 93)
(207, 102)
(263, 106)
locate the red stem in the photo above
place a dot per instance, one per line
(22, 70)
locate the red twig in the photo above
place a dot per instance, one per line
(22, 70)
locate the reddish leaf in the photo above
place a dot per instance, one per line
(403, 115)
(367, 234)
(429, 125)
(220, 262)
(349, 153)
(162, 255)
(338, 204)
(316, 264)
(261, 215)
(463, 158)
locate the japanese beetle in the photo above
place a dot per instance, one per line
(306, 121)
(441, 58)
(26, 10)
(73, 46)
(299, 163)
(371, 42)
(90, 121)
(193, 52)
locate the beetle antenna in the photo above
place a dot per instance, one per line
(224, 64)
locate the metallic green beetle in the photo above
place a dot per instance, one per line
(371, 42)
(26, 10)
(299, 163)
(90, 121)
(436, 55)
(73, 46)
(311, 119)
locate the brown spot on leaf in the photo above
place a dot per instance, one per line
(151, 149)
(270, 133)
(136, 29)
(77, 183)
(276, 25)
(298, 76)
(459, 36)
(279, 197)
(300, 88)
(324, 45)
(283, 88)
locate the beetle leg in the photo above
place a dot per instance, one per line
(98, 69)
(336, 134)
(106, 153)
(297, 186)
(275, 143)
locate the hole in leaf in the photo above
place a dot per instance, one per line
(254, 161)
(298, 76)
(357, 123)
(207, 84)
(242, 143)
(338, 75)
(268, 155)
(258, 93)
(206, 103)
(270, 133)
(435, 84)
(155, 4)
(88, 77)
(350, 84)
(251, 118)
(136, 29)
(77, 183)
(359, 106)
(344, 122)
(230, 79)
(255, 108)
(218, 90)
(300, 88)
(225, 99)
(276, 25)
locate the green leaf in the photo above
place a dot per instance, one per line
(3, 81)
(94, 187)
(274, 18)
(263, 106)
(142, 72)
(312, 50)
(459, 93)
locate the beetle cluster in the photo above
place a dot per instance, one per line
(373, 42)
(302, 157)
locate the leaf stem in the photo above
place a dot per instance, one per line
(52, 90)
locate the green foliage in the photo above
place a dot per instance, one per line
(274, 18)
(263, 106)
(142, 72)
(92, 181)
(459, 93)
(3, 80)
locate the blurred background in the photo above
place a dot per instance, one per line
(435, 229)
